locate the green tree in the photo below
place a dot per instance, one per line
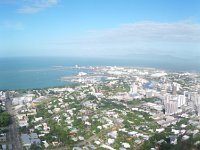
(4, 119)
(35, 147)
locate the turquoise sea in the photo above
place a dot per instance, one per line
(40, 72)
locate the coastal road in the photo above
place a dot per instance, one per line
(13, 133)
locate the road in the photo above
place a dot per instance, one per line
(13, 133)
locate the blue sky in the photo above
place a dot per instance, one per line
(99, 28)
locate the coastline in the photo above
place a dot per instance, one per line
(67, 80)
(44, 72)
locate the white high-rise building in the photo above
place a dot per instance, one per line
(177, 86)
(181, 100)
(171, 107)
(133, 89)
(195, 97)
(167, 97)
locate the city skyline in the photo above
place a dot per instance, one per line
(99, 28)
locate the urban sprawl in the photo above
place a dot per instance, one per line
(105, 108)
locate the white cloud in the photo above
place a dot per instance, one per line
(145, 32)
(184, 31)
(11, 25)
(180, 38)
(34, 6)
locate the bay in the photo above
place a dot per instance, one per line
(41, 72)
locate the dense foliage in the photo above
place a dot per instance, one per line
(4, 119)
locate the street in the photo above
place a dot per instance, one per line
(13, 133)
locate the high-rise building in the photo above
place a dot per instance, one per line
(181, 100)
(193, 96)
(171, 107)
(174, 90)
(133, 89)
(167, 97)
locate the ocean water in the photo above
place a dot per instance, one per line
(31, 73)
